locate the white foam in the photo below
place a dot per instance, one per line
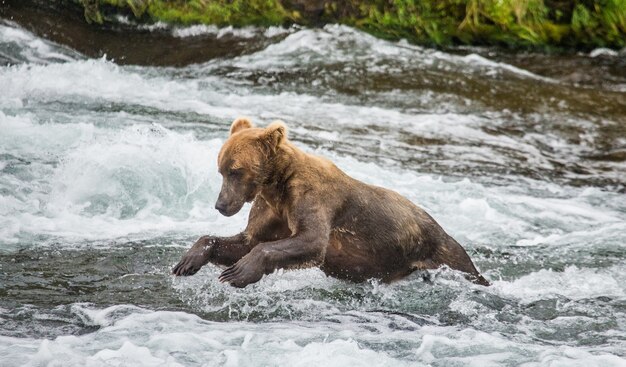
(209, 30)
(219, 32)
(96, 81)
(201, 29)
(109, 183)
(573, 283)
(31, 48)
(130, 354)
(496, 67)
(336, 44)
(100, 80)
(148, 338)
(603, 52)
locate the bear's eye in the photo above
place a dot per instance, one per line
(234, 173)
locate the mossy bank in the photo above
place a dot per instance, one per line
(538, 24)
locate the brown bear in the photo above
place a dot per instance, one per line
(307, 212)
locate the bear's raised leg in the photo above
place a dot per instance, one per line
(217, 250)
(295, 252)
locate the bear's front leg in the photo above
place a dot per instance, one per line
(295, 252)
(304, 249)
(218, 250)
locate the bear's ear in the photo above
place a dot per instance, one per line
(240, 124)
(274, 134)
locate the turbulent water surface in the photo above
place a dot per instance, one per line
(108, 173)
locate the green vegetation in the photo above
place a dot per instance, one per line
(509, 23)
(220, 12)
(513, 23)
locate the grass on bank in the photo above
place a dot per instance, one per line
(511, 23)
(221, 12)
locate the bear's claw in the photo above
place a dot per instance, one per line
(244, 272)
(196, 257)
(186, 267)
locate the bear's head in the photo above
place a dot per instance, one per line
(244, 162)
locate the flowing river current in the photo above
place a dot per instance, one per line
(108, 174)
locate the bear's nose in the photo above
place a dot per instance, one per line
(220, 206)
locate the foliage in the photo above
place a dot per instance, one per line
(510, 23)
(221, 12)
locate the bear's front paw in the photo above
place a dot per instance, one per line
(197, 256)
(246, 271)
(190, 263)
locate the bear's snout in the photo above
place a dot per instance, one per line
(221, 207)
(228, 208)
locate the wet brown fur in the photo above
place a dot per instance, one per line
(307, 212)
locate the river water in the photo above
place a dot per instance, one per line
(108, 173)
